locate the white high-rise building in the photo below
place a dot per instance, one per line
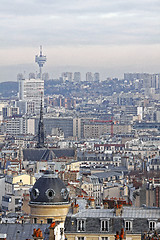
(16, 126)
(30, 91)
(77, 77)
(45, 76)
(19, 125)
(67, 76)
(32, 75)
(96, 77)
(89, 77)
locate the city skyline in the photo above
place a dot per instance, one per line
(102, 36)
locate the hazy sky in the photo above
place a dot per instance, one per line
(109, 36)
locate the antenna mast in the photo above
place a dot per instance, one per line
(41, 59)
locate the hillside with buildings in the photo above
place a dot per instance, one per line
(78, 153)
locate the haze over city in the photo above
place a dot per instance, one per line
(80, 120)
(111, 37)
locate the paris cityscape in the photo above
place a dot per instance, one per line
(80, 120)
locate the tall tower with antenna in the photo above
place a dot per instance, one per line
(41, 59)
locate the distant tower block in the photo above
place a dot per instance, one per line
(41, 59)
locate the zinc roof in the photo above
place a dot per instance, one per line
(127, 212)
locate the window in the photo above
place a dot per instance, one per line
(104, 225)
(81, 225)
(35, 220)
(80, 238)
(49, 220)
(128, 225)
(4, 208)
(64, 193)
(6, 199)
(50, 193)
(34, 193)
(17, 209)
(152, 225)
(17, 201)
(104, 238)
(61, 231)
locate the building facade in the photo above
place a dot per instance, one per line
(105, 224)
(30, 91)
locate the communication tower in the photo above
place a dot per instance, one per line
(41, 59)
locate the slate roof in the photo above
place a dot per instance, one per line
(140, 218)
(95, 213)
(128, 212)
(104, 175)
(22, 231)
(46, 154)
(49, 183)
(117, 169)
(149, 213)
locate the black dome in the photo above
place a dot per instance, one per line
(49, 189)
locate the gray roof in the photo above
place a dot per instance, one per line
(149, 213)
(95, 213)
(21, 231)
(140, 218)
(117, 169)
(49, 189)
(128, 212)
(46, 154)
(105, 175)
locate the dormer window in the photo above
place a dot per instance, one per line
(81, 225)
(81, 238)
(152, 225)
(104, 225)
(35, 193)
(128, 225)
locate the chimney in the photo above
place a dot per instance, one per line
(92, 202)
(118, 210)
(122, 235)
(37, 234)
(75, 207)
(117, 236)
(87, 206)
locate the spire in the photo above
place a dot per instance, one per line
(40, 143)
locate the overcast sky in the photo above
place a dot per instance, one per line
(109, 36)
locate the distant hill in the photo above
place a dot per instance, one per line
(8, 89)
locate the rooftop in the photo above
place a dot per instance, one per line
(127, 212)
